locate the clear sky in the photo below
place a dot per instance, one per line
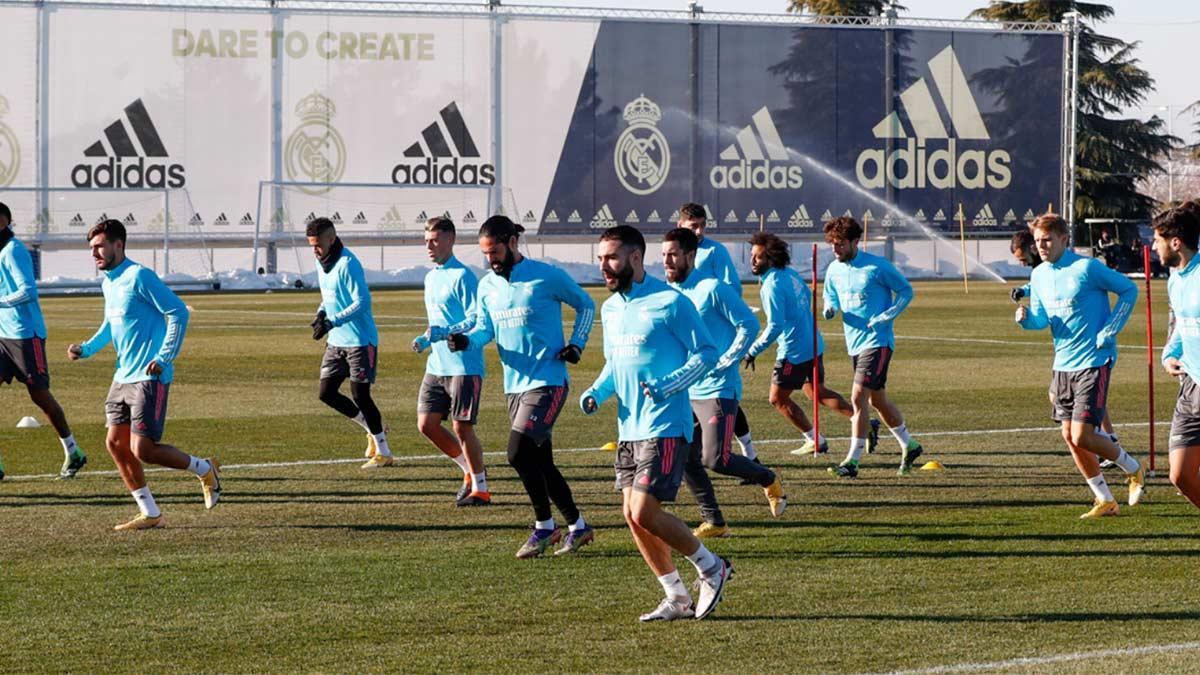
(1168, 30)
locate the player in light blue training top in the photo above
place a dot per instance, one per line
(714, 399)
(870, 293)
(520, 307)
(1069, 295)
(787, 303)
(145, 322)
(1176, 234)
(655, 348)
(23, 340)
(345, 320)
(453, 382)
(1024, 250)
(712, 258)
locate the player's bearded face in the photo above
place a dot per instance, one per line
(676, 263)
(500, 256)
(615, 266)
(1162, 247)
(844, 249)
(758, 260)
(105, 252)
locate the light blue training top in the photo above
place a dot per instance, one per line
(870, 293)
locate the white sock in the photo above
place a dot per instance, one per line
(68, 444)
(901, 434)
(381, 445)
(674, 588)
(544, 524)
(361, 421)
(1127, 463)
(1100, 488)
(703, 560)
(857, 447)
(461, 461)
(197, 466)
(577, 525)
(145, 502)
(819, 440)
(747, 447)
(479, 482)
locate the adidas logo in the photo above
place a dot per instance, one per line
(912, 166)
(1010, 217)
(310, 217)
(654, 217)
(800, 218)
(984, 218)
(631, 218)
(529, 218)
(827, 216)
(848, 214)
(103, 217)
(470, 218)
(446, 139)
(280, 217)
(920, 215)
(126, 165)
(603, 219)
(361, 219)
(731, 217)
(773, 217)
(675, 215)
(77, 221)
(129, 221)
(574, 217)
(196, 220)
(939, 217)
(752, 217)
(868, 216)
(552, 217)
(392, 220)
(890, 219)
(336, 218)
(221, 220)
(1029, 217)
(421, 218)
(247, 220)
(158, 221)
(752, 155)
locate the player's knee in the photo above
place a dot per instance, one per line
(643, 514)
(142, 448)
(712, 460)
(1080, 436)
(779, 399)
(462, 429)
(517, 452)
(428, 426)
(327, 392)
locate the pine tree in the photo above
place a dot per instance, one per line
(839, 7)
(1114, 153)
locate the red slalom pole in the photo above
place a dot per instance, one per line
(816, 374)
(1149, 349)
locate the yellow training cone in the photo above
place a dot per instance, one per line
(610, 446)
(933, 466)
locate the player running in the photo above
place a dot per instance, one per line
(23, 340)
(453, 381)
(352, 342)
(145, 323)
(1069, 294)
(655, 348)
(714, 398)
(1175, 241)
(520, 307)
(870, 293)
(1024, 250)
(787, 303)
(713, 260)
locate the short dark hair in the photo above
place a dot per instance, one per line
(686, 238)
(1021, 240)
(5, 212)
(318, 226)
(1179, 222)
(501, 228)
(693, 211)
(112, 230)
(775, 248)
(440, 224)
(843, 227)
(628, 235)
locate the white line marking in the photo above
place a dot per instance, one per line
(1058, 658)
(985, 341)
(419, 458)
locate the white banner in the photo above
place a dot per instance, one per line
(18, 107)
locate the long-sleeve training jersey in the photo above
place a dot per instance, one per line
(450, 297)
(787, 303)
(713, 260)
(347, 303)
(731, 324)
(870, 293)
(20, 312)
(1183, 289)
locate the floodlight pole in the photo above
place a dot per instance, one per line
(496, 198)
(1072, 22)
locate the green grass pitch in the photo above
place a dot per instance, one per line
(308, 565)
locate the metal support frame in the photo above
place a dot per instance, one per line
(1071, 26)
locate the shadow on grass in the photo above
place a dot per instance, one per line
(953, 555)
(1098, 536)
(1047, 617)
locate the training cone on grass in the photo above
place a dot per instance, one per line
(933, 466)
(610, 446)
(28, 422)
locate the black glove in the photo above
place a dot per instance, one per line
(1016, 294)
(748, 362)
(458, 342)
(570, 354)
(321, 325)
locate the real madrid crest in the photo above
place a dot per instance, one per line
(315, 152)
(642, 157)
(10, 151)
